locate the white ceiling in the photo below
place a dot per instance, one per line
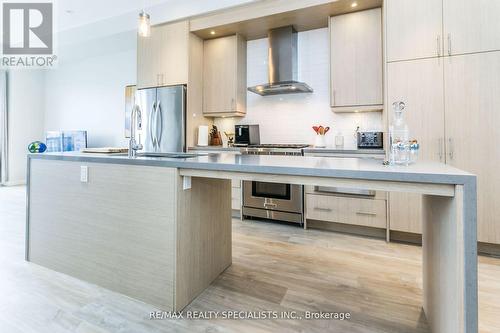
(84, 12)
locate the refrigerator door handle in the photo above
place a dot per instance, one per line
(159, 124)
(152, 125)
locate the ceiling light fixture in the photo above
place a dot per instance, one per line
(144, 24)
(212, 32)
(354, 4)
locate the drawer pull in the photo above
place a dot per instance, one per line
(322, 209)
(366, 214)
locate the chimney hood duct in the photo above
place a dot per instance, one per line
(282, 65)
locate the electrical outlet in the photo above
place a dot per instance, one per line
(84, 174)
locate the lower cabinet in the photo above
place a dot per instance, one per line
(347, 210)
(405, 212)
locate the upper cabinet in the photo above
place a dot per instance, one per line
(414, 29)
(224, 76)
(471, 26)
(433, 28)
(163, 58)
(356, 61)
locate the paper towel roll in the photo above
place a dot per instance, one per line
(203, 136)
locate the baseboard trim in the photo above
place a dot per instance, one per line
(488, 249)
(14, 183)
(405, 237)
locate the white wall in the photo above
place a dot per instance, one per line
(26, 115)
(87, 90)
(289, 118)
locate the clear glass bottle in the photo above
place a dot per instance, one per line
(399, 137)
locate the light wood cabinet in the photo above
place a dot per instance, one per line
(346, 210)
(419, 83)
(224, 76)
(471, 26)
(472, 119)
(163, 58)
(414, 29)
(463, 81)
(432, 28)
(356, 61)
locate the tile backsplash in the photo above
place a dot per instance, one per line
(289, 118)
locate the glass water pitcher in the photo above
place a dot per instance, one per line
(399, 136)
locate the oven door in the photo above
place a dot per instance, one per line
(273, 196)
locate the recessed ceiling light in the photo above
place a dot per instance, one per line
(354, 4)
(212, 32)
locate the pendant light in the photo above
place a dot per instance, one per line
(144, 24)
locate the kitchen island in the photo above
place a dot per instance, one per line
(159, 229)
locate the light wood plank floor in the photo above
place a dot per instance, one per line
(275, 267)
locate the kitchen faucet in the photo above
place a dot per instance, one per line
(135, 124)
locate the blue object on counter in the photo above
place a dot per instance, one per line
(58, 141)
(37, 147)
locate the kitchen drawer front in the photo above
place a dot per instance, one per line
(309, 189)
(364, 212)
(236, 198)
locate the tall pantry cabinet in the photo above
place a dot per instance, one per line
(444, 63)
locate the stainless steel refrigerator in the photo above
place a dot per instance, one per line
(163, 113)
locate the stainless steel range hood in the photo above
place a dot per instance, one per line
(282, 65)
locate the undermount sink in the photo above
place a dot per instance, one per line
(170, 155)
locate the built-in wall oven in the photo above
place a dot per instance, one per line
(274, 201)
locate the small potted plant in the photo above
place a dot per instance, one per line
(321, 131)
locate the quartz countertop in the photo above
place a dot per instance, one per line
(327, 150)
(214, 148)
(349, 168)
(308, 150)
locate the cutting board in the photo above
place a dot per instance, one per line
(105, 150)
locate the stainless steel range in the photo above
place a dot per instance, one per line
(274, 201)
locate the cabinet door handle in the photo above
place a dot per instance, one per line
(438, 42)
(451, 148)
(449, 44)
(323, 209)
(366, 214)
